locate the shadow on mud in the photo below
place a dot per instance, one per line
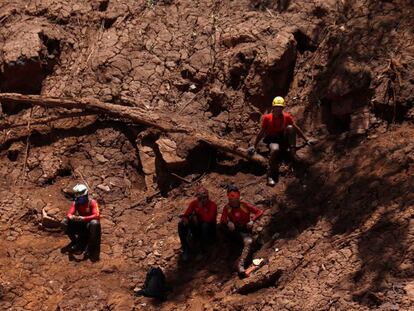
(217, 266)
(363, 199)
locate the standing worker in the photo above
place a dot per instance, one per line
(237, 217)
(82, 224)
(200, 220)
(279, 132)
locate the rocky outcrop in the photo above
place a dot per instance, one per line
(168, 151)
(28, 56)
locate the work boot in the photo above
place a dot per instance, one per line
(67, 248)
(76, 248)
(242, 273)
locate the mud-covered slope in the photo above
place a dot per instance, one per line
(338, 228)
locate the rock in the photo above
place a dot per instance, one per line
(37, 204)
(348, 78)
(360, 122)
(15, 150)
(260, 78)
(104, 187)
(389, 307)
(109, 269)
(231, 39)
(147, 157)
(168, 150)
(2, 291)
(139, 254)
(68, 193)
(51, 217)
(28, 56)
(409, 289)
(120, 301)
(343, 107)
(267, 277)
(101, 158)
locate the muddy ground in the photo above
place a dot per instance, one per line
(338, 228)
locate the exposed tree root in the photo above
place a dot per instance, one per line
(163, 123)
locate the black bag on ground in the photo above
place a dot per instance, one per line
(155, 284)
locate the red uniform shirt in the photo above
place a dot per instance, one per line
(274, 126)
(207, 213)
(240, 216)
(89, 211)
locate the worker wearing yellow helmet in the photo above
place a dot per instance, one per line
(279, 132)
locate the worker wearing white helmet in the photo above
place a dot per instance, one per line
(82, 224)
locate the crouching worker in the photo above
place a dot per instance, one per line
(82, 225)
(199, 221)
(237, 216)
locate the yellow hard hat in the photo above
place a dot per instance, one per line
(278, 101)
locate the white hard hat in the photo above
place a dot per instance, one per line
(80, 190)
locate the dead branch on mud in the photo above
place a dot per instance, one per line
(181, 178)
(165, 123)
(26, 155)
(44, 121)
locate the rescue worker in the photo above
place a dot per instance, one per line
(237, 216)
(279, 132)
(82, 224)
(200, 220)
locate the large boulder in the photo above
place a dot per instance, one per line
(348, 78)
(28, 56)
(168, 151)
(258, 60)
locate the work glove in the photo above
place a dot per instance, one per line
(249, 225)
(231, 226)
(311, 142)
(251, 150)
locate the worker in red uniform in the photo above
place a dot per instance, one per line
(239, 217)
(82, 224)
(200, 220)
(279, 132)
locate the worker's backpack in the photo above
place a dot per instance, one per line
(155, 284)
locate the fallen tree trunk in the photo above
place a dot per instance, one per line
(137, 115)
(44, 121)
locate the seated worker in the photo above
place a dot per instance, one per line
(82, 224)
(237, 216)
(200, 220)
(279, 132)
